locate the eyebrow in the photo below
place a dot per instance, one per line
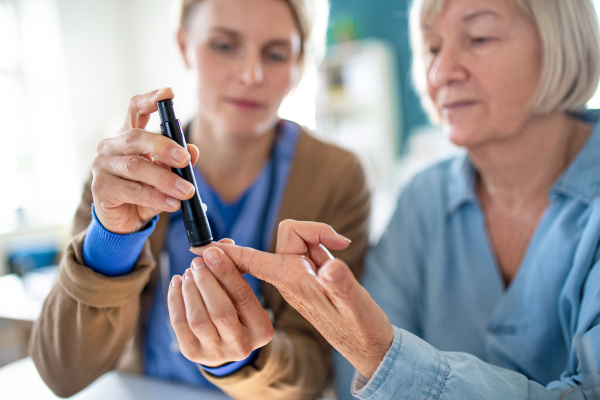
(226, 31)
(276, 42)
(477, 14)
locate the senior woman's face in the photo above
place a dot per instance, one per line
(483, 65)
(246, 55)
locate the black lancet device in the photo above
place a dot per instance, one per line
(194, 218)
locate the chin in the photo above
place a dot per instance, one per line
(463, 136)
(244, 128)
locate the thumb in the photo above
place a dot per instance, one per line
(340, 284)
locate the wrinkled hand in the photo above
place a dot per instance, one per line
(132, 177)
(322, 289)
(214, 312)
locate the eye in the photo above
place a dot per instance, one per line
(480, 40)
(433, 51)
(278, 56)
(221, 46)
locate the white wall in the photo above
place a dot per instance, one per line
(114, 50)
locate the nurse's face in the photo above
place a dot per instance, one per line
(483, 61)
(246, 54)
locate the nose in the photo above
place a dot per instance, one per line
(252, 70)
(447, 68)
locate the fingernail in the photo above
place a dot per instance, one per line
(198, 264)
(333, 273)
(172, 202)
(176, 281)
(345, 238)
(184, 186)
(179, 155)
(213, 256)
(187, 274)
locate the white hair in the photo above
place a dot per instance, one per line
(570, 41)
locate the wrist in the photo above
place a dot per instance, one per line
(374, 353)
(125, 226)
(112, 254)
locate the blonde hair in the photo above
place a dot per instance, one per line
(570, 42)
(311, 17)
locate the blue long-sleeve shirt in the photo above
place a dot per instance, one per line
(459, 334)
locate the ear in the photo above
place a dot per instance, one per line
(182, 41)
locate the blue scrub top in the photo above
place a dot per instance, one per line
(243, 221)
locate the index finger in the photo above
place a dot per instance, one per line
(264, 266)
(296, 237)
(141, 106)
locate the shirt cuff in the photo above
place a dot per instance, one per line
(411, 367)
(111, 254)
(231, 367)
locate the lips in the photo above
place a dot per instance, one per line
(451, 107)
(457, 105)
(244, 104)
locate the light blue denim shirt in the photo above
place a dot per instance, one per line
(459, 334)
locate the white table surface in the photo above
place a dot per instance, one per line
(21, 381)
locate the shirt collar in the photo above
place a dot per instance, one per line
(461, 182)
(581, 180)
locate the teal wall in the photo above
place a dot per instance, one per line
(388, 20)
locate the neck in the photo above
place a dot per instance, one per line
(519, 171)
(230, 163)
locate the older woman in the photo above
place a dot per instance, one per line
(109, 309)
(489, 271)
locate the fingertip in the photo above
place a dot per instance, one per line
(213, 256)
(200, 250)
(337, 242)
(165, 93)
(194, 153)
(198, 263)
(176, 281)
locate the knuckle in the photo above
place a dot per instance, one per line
(178, 322)
(101, 146)
(224, 318)
(132, 164)
(242, 351)
(96, 163)
(242, 297)
(133, 102)
(134, 189)
(190, 352)
(131, 136)
(96, 184)
(267, 333)
(197, 323)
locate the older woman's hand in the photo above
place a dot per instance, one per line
(214, 312)
(322, 289)
(132, 177)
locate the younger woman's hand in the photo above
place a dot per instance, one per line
(214, 312)
(132, 177)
